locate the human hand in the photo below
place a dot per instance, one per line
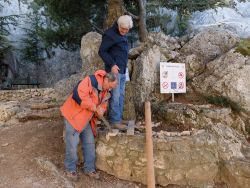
(115, 69)
(99, 111)
(93, 108)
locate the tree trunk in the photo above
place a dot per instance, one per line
(115, 10)
(142, 21)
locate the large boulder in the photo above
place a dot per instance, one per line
(145, 73)
(227, 76)
(89, 53)
(210, 44)
(145, 76)
(91, 62)
(65, 86)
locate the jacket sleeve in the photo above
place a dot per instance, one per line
(107, 43)
(84, 91)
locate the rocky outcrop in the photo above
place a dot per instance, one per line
(227, 76)
(210, 44)
(210, 138)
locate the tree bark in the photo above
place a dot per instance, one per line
(142, 20)
(115, 10)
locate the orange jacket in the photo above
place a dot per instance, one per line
(79, 115)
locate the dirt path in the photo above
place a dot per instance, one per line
(22, 144)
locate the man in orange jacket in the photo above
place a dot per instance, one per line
(88, 101)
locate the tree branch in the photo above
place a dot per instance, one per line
(132, 15)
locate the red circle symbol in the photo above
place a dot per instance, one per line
(165, 85)
(180, 75)
(181, 85)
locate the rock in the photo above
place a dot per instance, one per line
(194, 65)
(5, 144)
(186, 116)
(236, 173)
(50, 167)
(129, 107)
(226, 76)
(145, 75)
(8, 110)
(90, 44)
(210, 44)
(229, 142)
(70, 82)
(185, 133)
(163, 41)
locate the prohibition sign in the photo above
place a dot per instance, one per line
(165, 85)
(180, 75)
(181, 85)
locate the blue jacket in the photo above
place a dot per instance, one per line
(114, 49)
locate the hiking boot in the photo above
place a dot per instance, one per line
(71, 175)
(119, 126)
(94, 175)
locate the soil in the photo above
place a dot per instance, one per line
(22, 143)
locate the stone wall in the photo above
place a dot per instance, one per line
(28, 94)
(195, 160)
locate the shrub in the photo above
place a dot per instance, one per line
(244, 47)
(224, 102)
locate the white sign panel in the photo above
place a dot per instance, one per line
(172, 77)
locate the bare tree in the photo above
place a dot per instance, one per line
(142, 20)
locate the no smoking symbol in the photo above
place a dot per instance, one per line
(181, 85)
(180, 75)
(165, 85)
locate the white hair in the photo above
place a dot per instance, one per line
(125, 21)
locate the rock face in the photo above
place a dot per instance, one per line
(227, 76)
(234, 17)
(211, 43)
(89, 53)
(187, 160)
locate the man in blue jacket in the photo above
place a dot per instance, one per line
(114, 53)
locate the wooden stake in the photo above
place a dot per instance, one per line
(149, 147)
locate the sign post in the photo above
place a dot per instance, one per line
(172, 78)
